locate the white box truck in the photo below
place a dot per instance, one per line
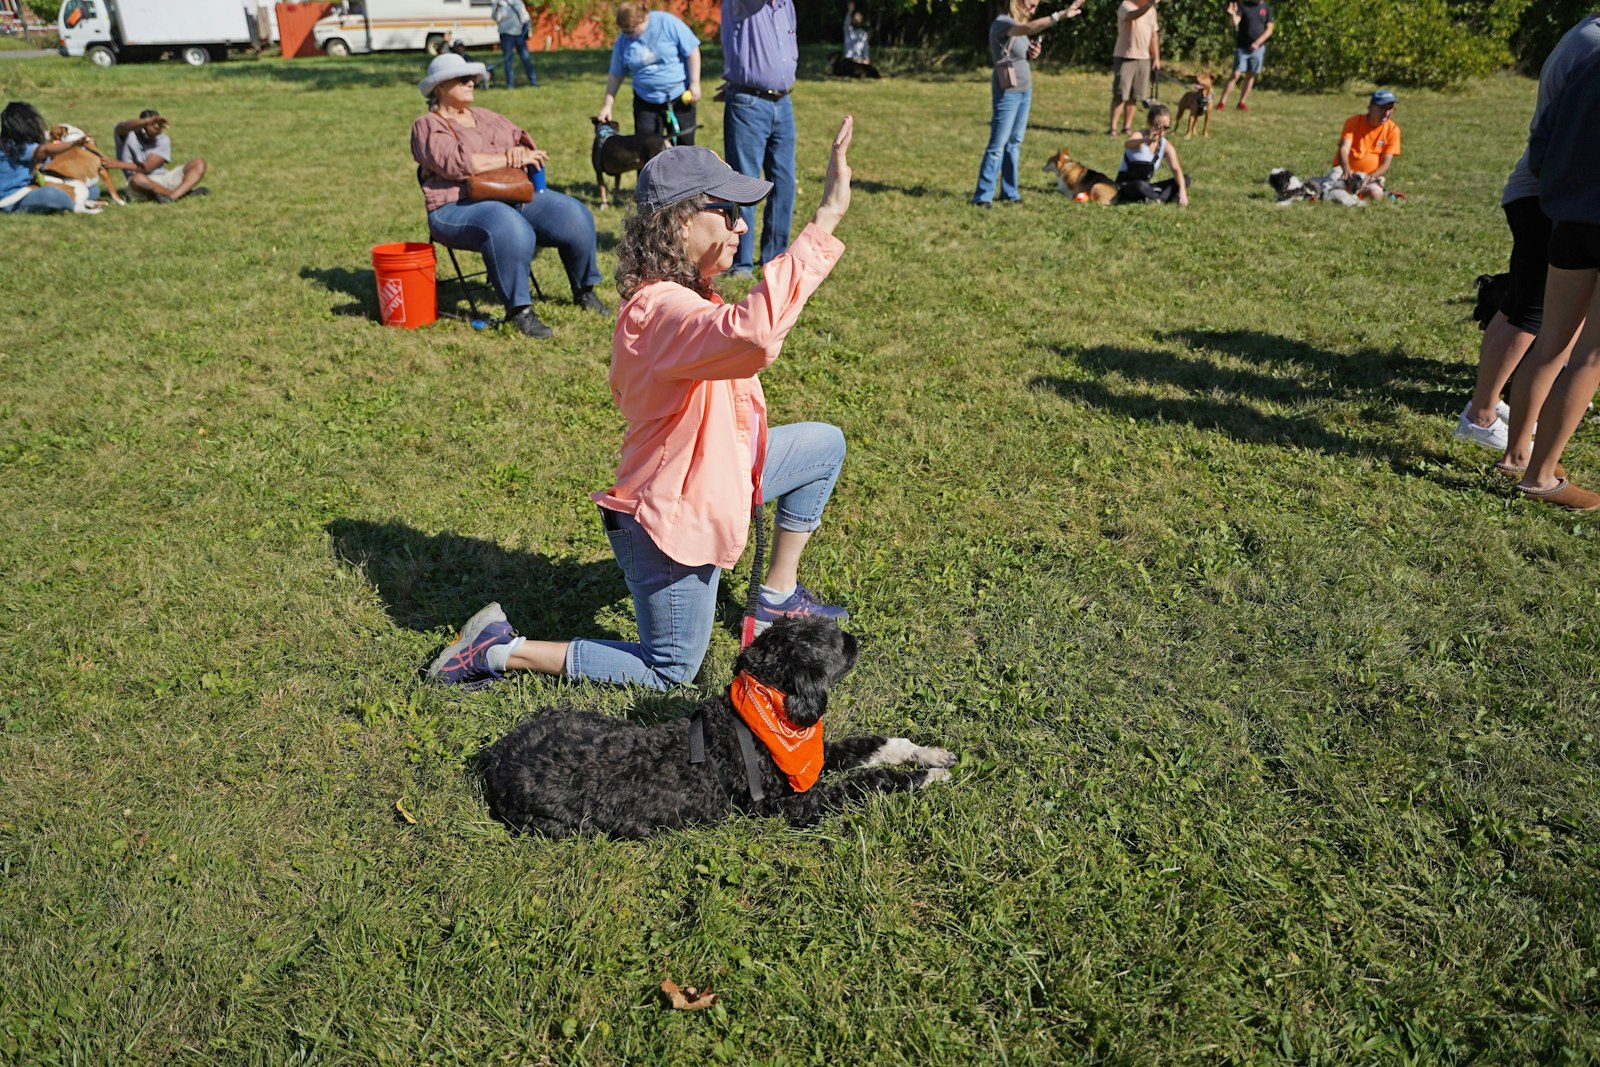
(196, 31)
(404, 25)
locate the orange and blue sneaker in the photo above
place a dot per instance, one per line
(799, 602)
(465, 662)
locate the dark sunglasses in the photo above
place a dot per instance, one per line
(728, 211)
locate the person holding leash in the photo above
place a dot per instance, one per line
(697, 453)
(662, 56)
(1011, 47)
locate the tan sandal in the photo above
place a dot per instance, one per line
(1505, 470)
(1564, 495)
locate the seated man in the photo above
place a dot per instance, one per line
(1368, 144)
(144, 143)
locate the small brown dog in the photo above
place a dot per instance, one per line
(78, 168)
(1080, 182)
(1197, 102)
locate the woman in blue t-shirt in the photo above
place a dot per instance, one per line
(23, 146)
(1011, 92)
(662, 56)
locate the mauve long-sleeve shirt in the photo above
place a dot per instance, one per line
(444, 150)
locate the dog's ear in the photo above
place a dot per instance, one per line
(807, 693)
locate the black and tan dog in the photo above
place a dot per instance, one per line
(616, 153)
(1079, 181)
(756, 748)
(1197, 104)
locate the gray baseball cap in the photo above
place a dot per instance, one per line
(1381, 98)
(690, 170)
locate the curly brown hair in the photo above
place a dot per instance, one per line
(651, 250)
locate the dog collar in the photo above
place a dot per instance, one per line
(796, 751)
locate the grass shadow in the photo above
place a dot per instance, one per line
(432, 580)
(1224, 398)
(357, 284)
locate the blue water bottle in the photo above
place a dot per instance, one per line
(538, 180)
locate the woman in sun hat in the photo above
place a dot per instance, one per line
(697, 450)
(456, 140)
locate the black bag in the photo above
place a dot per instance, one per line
(1493, 289)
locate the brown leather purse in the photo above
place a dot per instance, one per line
(510, 185)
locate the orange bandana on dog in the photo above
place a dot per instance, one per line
(797, 752)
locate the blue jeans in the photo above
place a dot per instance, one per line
(1004, 153)
(518, 43)
(676, 605)
(45, 200)
(758, 139)
(507, 236)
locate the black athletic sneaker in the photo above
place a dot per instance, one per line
(588, 301)
(527, 322)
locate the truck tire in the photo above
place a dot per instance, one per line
(434, 44)
(101, 55)
(196, 55)
(335, 46)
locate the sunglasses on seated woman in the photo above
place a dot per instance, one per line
(728, 211)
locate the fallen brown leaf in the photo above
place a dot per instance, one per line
(688, 998)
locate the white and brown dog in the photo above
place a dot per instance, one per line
(78, 170)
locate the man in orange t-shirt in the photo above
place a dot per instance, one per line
(1370, 142)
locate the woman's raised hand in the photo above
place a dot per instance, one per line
(836, 184)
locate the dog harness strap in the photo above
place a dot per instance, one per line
(752, 769)
(697, 737)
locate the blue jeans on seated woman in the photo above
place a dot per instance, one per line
(676, 605)
(45, 200)
(1003, 156)
(507, 236)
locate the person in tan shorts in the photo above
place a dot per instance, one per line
(143, 143)
(1135, 60)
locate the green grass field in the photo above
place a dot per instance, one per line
(1276, 713)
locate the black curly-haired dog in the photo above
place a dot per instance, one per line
(570, 772)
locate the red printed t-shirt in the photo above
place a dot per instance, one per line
(683, 373)
(1369, 143)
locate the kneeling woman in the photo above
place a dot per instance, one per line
(697, 449)
(24, 145)
(454, 141)
(1141, 155)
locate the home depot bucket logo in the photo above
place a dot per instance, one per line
(392, 300)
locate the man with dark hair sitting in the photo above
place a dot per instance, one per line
(144, 143)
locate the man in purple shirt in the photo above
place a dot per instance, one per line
(759, 54)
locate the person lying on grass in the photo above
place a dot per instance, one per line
(685, 371)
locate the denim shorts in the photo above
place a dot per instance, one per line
(1248, 61)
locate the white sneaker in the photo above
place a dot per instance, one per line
(1495, 435)
(1502, 409)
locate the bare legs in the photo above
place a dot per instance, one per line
(1536, 393)
(1502, 349)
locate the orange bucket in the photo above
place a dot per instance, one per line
(406, 294)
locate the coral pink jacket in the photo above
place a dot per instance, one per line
(683, 373)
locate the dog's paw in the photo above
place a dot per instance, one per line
(935, 757)
(934, 774)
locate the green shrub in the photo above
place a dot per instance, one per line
(46, 9)
(1542, 26)
(1318, 44)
